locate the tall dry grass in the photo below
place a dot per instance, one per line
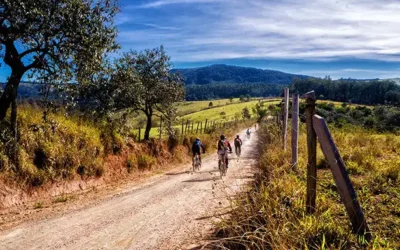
(272, 215)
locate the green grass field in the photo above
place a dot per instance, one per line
(199, 111)
(185, 108)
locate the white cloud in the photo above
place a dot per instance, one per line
(315, 29)
(160, 3)
(160, 26)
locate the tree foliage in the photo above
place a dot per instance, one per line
(138, 81)
(54, 41)
(352, 91)
(159, 88)
(246, 113)
(218, 91)
(260, 111)
(221, 73)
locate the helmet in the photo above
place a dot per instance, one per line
(237, 136)
(222, 137)
(197, 139)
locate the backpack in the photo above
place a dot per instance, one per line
(222, 145)
(237, 141)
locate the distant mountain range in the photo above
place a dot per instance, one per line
(221, 73)
(26, 89)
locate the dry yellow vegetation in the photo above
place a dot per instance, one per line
(273, 214)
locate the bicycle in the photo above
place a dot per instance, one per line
(222, 164)
(238, 151)
(196, 163)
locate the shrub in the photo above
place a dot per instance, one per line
(48, 152)
(38, 205)
(61, 198)
(146, 162)
(131, 163)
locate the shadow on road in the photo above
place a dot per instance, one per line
(213, 216)
(202, 180)
(179, 173)
(245, 177)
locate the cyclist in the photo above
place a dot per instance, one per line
(248, 133)
(238, 144)
(223, 146)
(197, 145)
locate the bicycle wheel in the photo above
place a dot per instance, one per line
(225, 169)
(220, 167)
(198, 163)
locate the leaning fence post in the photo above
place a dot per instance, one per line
(295, 130)
(205, 126)
(312, 154)
(342, 180)
(285, 117)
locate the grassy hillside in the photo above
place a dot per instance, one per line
(226, 112)
(199, 111)
(66, 148)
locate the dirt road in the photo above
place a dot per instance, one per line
(173, 212)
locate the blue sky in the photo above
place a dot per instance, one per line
(358, 39)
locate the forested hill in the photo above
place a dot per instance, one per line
(221, 73)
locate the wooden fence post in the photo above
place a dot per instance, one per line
(285, 117)
(281, 114)
(201, 127)
(139, 135)
(161, 121)
(295, 130)
(197, 128)
(182, 127)
(192, 126)
(205, 126)
(186, 128)
(312, 154)
(342, 180)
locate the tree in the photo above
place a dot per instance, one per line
(111, 90)
(53, 41)
(259, 111)
(210, 104)
(156, 88)
(241, 98)
(246, 113)
(248, 97)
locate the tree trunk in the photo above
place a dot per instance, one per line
(148, 126)
(10, 94)
(14, 119)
